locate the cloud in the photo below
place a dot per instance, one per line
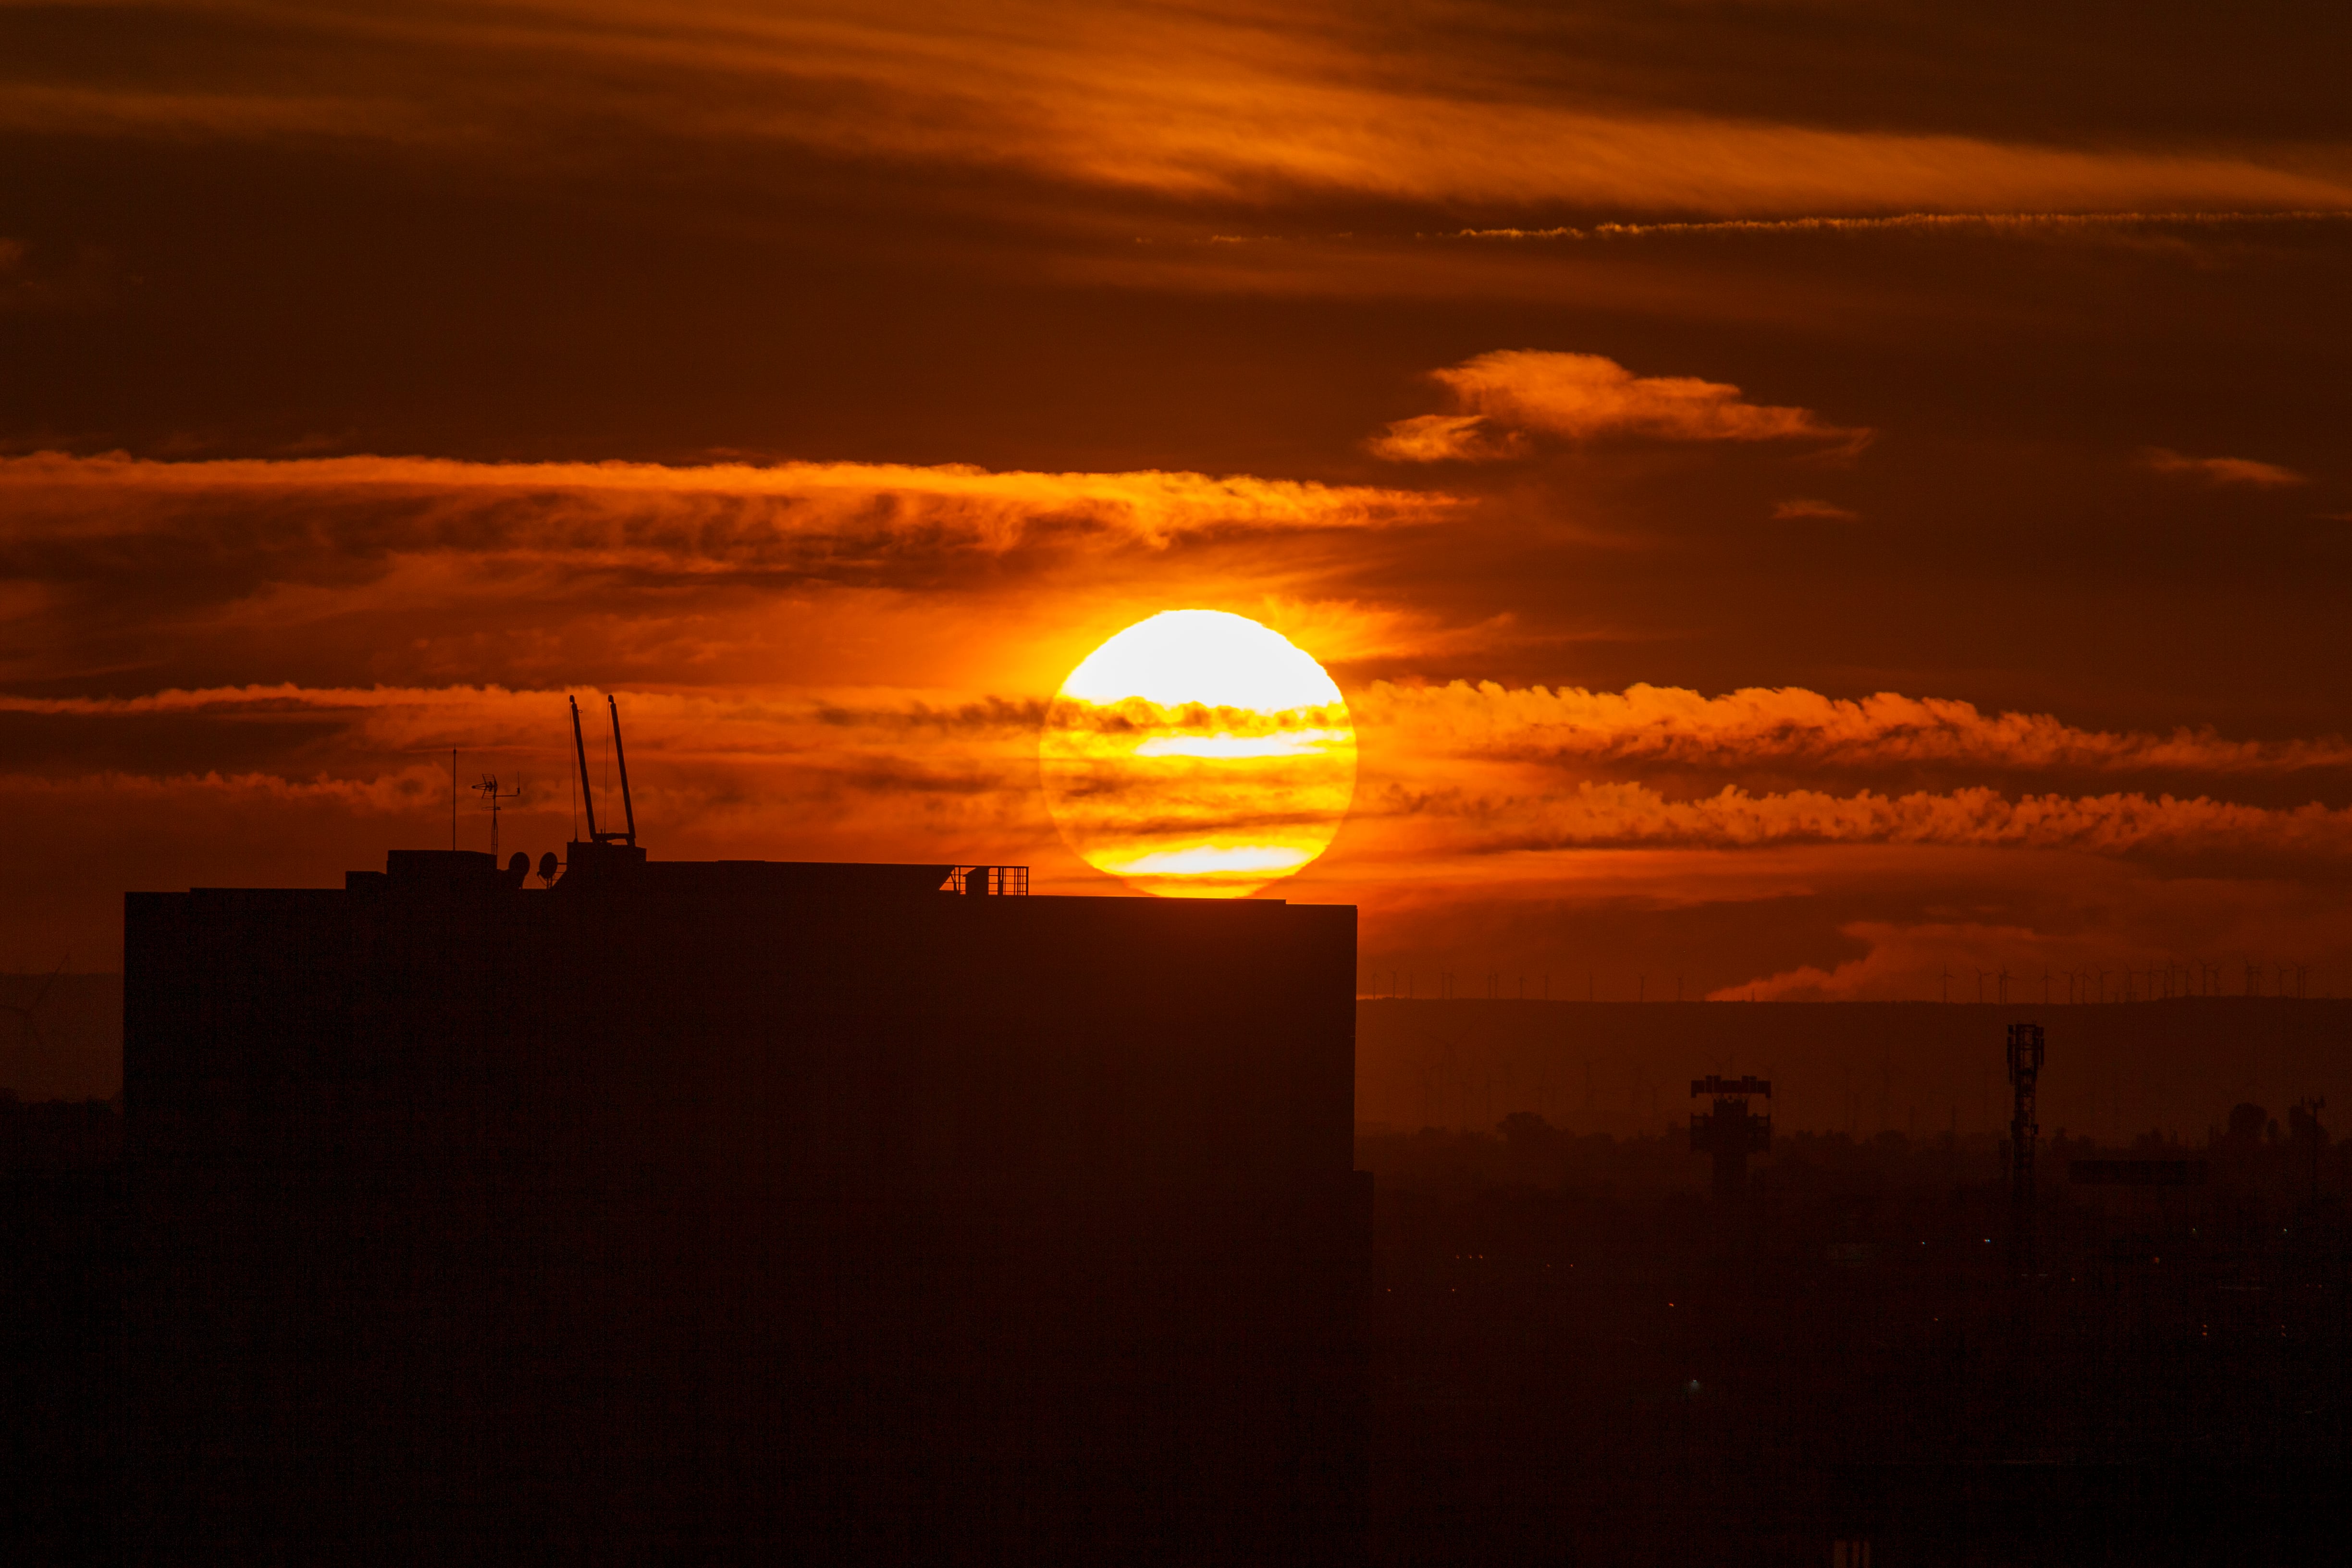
(1461, 821)
(1798, 506)
(1240, 101)
(2220, 470)
(1445, 437)
(1783, 726)
(1510, 395)
(2166, 941)
(413, 569)
(1467, 792)
(2022, 222)
(711, 516)
(863, 767)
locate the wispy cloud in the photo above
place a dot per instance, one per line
(717, 513)
(1761, 726)
(337, 570)
(1236, 101)
(1467, 821)
(1800, 507)
(1475, 790)
(2220, 470)
(2022, 222)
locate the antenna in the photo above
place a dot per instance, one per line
(620, 757)
(580, 749)
(489, 788)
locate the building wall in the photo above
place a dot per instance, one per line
(752, 1206)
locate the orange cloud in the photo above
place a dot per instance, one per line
(439, 572)
(716, 514)
(1928, 959)
(1775, 725)
(1241, 100)
(1798, 506)
(1463, 792)
(1463, 822)
(1509, 395)
(2220, 470)
(1911, 223)
(1443, 779)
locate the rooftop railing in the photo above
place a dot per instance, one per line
(988, 882)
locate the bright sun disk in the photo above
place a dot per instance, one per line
(1198, 753)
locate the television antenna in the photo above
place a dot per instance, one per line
(488, 790)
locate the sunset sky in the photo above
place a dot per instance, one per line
(1796, 496)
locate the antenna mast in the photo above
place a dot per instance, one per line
(620, 757)
(580, 747)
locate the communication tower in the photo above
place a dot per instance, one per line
(1731, 1132)
(2025, 1052)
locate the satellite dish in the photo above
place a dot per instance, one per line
(547, 866)
(519, 866)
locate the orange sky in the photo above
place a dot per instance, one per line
(1798, 496)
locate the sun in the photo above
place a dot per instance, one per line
(1199, 755)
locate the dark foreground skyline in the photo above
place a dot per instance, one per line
(1574, 1352)
(673, 1208)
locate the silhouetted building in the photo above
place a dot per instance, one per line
(715, 1209)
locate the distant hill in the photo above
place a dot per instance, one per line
(2115, 1071)
(72, 1049)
